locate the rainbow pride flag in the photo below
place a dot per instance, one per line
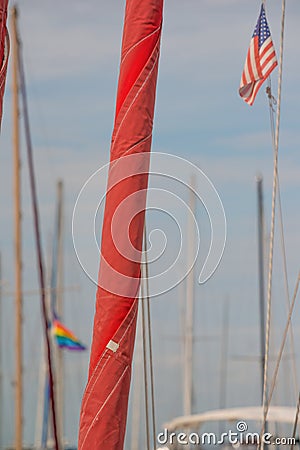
(65, 338)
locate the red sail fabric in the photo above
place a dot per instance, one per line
(4, 50)
(104, 405)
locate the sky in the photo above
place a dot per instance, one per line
(71, 54)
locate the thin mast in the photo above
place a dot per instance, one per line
(59, 308)
(189, 324)
(261, 268)
(40, 263)
(17, 234)
(55, 308)
(224, 354)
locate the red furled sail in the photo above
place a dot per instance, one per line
(105, 401)
(4, 50)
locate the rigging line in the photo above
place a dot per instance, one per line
(149, 336)
(274, 378)
(296, 423)
(41, 273)
(145, 366)
(271, 248)
(19, 308)
(136, 403)
(282, 239)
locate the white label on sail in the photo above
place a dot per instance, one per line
(113, 346)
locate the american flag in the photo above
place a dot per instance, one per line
(260, 61)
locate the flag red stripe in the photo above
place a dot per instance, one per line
(257, 58)
(244, 81)
(249, 65)
(271, 57)
(265, 50)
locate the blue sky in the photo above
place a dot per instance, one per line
(71, 53)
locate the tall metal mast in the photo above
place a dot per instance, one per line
(224, 355)
(40, 263)
(59, 307)
(17, 234)
(260, 227)
(189, 316)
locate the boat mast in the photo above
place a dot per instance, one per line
(224, 355)
(17, 234)
(55, 309)
(40, 263)
(59, 308)
(189, 314)
(261, 268)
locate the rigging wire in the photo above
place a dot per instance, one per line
(145, 367)
(295, 423)
(272, 102)
(147, 342)
(149, 336)
(136, 403)
(146, 393)
(271, 247)
(274, 378)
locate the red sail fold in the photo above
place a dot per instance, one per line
(105, 401)
(4, 50)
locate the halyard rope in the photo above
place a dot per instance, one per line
(272, 101)
(273, 382)
(145, 367)
(149, 337)
(274, 191)
(296, 423)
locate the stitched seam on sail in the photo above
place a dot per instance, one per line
(93, 376)
(137, 144)
(137, 94)
(106, 400)
(138, 43)
(122, 337)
